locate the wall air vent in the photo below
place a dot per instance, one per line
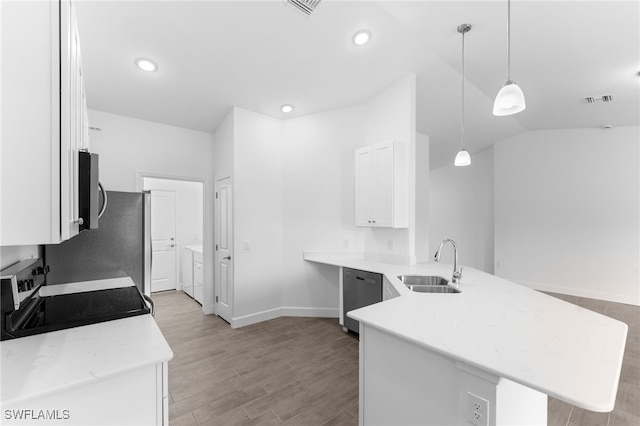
(603, 98)
(304, 6)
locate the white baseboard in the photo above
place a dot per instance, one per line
(285, 311)
(581, 292)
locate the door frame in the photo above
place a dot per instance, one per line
(208, 307)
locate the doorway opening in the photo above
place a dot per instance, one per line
(177, 235)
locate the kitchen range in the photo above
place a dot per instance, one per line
(30, 307)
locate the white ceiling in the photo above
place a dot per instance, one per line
(261, 54)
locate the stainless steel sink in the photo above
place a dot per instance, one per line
(427, 284)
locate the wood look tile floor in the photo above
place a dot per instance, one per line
(294, 371)
(304, 371)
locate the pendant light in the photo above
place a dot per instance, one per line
(463, 158)
(510, 99)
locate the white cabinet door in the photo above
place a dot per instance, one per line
(364, 187)
(382, 186)
(39, 162)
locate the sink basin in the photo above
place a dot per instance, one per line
(427, 284)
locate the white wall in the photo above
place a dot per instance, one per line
(258, 211)
(129, 147)
(294, 190)
(391, 115)
(189, 209)
(567, 210)
(14, 254)
(223, 140)
(422, 185)
(319, 204)
(461, 208)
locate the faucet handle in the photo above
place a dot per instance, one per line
(457, 275)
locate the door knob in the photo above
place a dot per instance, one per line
(172, 238)
(226, 258)
(172, 245)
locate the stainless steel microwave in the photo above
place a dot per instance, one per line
(90, 202)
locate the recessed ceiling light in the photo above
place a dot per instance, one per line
(146, 64)
(362, 37)
(286, 108)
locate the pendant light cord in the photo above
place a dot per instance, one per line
(508, 40)
(462, 106)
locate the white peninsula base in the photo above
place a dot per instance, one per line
(423, 387)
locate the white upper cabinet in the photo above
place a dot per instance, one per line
(44, 122)
(382, 186)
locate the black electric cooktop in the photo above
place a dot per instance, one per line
(50, 313)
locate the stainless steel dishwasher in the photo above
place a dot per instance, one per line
(359, 288)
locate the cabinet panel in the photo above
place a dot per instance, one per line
(133, 398)
(198, 280)
(382, 186)
(187, 271)
(364, 188)
(30, 173)
(39, 162)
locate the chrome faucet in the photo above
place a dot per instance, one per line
(457, 274)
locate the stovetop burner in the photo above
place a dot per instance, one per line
(59, 312)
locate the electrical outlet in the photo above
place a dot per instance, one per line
(246, 245)
(390, 245)
(345, 243)
(477, 410)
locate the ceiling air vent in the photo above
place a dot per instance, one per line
(305, 6)
(593, 100)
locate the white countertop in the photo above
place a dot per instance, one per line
(42, 364)
(512, 331)
(194, 247)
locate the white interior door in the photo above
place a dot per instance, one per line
(163, 240)
(224, 249)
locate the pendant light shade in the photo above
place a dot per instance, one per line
(463, 158)
(510, 99)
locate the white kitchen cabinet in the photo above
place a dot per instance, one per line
(137, 397)
(382, 186)
(187, 271)
(193, 272)
(198, 277)
(44, 122)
